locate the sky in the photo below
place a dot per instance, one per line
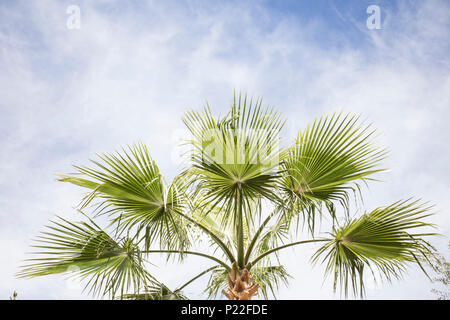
(131, 70)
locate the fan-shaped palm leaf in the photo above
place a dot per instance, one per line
(329, 159)
(134, 192)
(83, 248)
(237, 154)
(235, 160)
(384, 239)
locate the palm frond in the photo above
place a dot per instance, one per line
(270, 278)
(134, 193)
(385, 239)
(329, 160)
(156, 292)
(239, 153)
(110, 267)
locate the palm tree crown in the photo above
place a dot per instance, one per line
(248, 195)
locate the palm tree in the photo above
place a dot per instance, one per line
(247, 195)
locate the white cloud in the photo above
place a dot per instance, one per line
(129, 73)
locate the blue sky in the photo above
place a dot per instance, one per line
(134, 67)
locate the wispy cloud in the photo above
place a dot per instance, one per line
(132, 69)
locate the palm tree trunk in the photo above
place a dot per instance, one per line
(240, 285)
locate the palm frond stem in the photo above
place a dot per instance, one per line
(257, 234)
(282, 247)
(216, 239)
(192, 253)
(195, 278)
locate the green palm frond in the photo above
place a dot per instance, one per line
(134, 193)
(270, 279)
(273, 236)
(156, 292)
(238, 154)
(87, 252)
(329, 159)
(385, 239)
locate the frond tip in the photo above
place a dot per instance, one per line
(381, 240)
(328, 162)
(85, 251)
(132, 191)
